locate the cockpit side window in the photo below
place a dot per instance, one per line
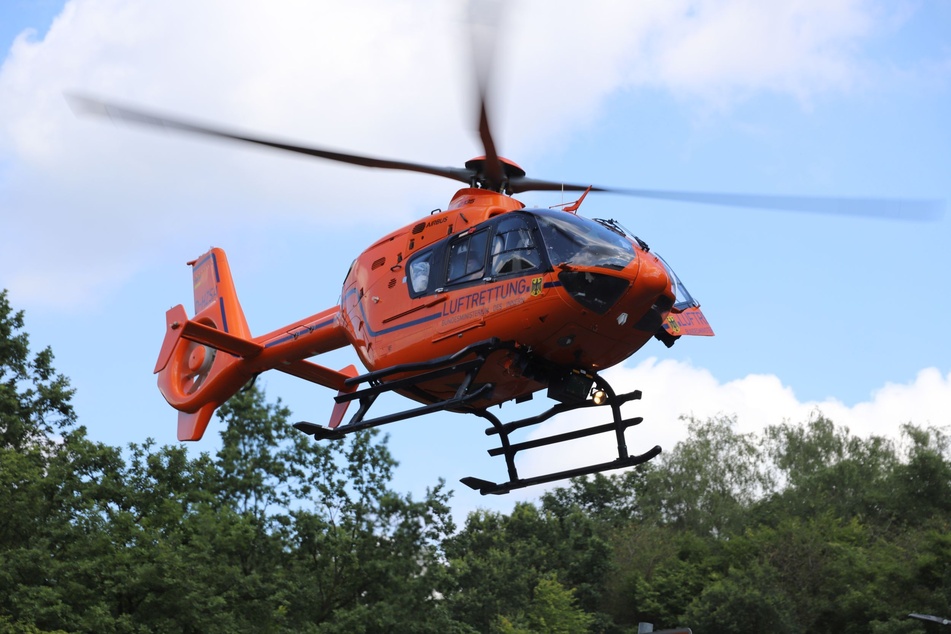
(419, 268)
(513, 248)
(467, 257)
(682, 298)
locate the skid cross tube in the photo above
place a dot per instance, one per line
(571, 435)
(379, 388)
(555, 410)
(482, 348)
(319, 432)
(419, 372)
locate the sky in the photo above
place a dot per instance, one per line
(835, 314)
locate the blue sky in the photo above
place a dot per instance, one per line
(844, 97)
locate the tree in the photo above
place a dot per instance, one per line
(498, 561)
(802, 527)
(364, 557)
(46, 467)
(605, 499)
(275, 533)
(34, 400)
(824, 467)
(706, 483)
(920, 486)
(745, 600)
(552, 610)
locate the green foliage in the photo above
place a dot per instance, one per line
(827, 469)
(803, 527)
(34, 400)
(497, 561)
(274, 533)
(552, 610)
(921, 492)
(744, 600)
(706, 483)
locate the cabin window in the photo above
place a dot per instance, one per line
(506, 246)
(513, 249)
(467, 258)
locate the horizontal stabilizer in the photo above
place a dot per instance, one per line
(180, 327)
(208, 336)
(315, 373)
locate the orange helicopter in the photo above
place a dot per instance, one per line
(484, 302)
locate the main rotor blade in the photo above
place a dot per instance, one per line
(891, 208)
(89, 106)
(484, 23)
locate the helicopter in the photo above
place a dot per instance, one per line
(481, 303)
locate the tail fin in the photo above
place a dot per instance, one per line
(205, 360)
(215, 296)
(193, 377)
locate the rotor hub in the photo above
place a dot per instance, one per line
(510, 170)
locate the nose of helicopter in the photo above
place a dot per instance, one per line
(643, 288)
(621, 310)
(649, 297)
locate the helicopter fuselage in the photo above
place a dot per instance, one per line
(569, 292)
(533, 298)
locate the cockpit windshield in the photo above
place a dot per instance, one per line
(682, 298)
(573, 240)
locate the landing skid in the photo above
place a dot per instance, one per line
(469, 362)
(618, 426)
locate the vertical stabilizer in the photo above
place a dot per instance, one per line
(195, 376)
(215, 297)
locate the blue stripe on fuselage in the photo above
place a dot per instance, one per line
(386, 331)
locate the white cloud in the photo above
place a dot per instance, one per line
(722, 49)
(672, 389)
(371, 76)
